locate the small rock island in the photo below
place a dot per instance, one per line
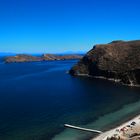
(46, 57)
(118, 61)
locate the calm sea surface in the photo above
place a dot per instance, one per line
(36, 99)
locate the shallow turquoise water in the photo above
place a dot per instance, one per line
(36, 99)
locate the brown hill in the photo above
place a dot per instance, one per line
(45, 57)
(118, 61)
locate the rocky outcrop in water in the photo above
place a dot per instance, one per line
(45, 57)
(118, 61)
(60, 57)
(22, 58)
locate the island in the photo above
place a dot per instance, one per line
(118, 61)
(45, 57)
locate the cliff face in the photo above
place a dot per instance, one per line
(45, 57)
(118, 61)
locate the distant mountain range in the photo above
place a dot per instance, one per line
(44, 57)
(73, 52)
(39, 54)
(7, 54)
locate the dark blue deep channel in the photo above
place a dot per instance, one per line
(36, 99)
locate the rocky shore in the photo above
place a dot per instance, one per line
(45, 57)
(118, 61)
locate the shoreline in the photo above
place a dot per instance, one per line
(112, 132)
(108, 79)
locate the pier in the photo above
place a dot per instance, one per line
(83, 129)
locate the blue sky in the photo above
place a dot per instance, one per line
(55, 26)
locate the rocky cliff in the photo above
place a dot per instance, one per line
(118, 61)
(45, 57)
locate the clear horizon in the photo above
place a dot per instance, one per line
(39, 53)
(56, 26)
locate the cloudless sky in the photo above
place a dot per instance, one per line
(54, 26)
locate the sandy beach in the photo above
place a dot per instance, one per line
(127, 131)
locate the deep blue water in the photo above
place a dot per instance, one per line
(36, 99)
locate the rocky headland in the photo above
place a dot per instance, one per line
(118, 61)
(44, 57)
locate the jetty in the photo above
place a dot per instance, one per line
(83, 129)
